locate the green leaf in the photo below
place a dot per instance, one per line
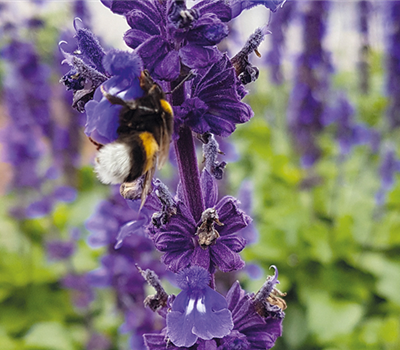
(387, 272)
(329, 318)
(48, 335)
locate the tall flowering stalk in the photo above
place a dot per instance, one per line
(309, 96)
(364, 10)
(393, 62)
(194, 229)
(279, 24)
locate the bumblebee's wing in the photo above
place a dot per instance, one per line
(164, 146)
(166, 132)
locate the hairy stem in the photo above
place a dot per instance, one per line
(187, 163)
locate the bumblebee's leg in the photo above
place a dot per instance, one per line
(115, 100)
(98, 145)
(132, 190)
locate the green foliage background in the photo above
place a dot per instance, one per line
(336, 250)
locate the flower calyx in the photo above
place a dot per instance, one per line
(158, 300)
(268, 301)
(245, 71)
(207, 234)
(168, 204)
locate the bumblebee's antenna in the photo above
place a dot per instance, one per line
(188, 76)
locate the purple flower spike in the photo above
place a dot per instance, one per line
(198, 311)
(60, 250)
(186, 243)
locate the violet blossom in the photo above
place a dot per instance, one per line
(208, 243)
(390, 165)
(278, 26)
(309, 95)
(393, 63)
(247, 321)
(198, 311)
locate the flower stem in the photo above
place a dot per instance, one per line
(187, 163)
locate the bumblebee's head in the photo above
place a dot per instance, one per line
(149, 85)
(146, 81)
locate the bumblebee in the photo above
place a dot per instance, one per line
(144, 134)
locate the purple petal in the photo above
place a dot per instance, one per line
(134, 37)
(207, 31)
(196, 56)
(226, 259)
(153, 51)
(177, 260)
(231, 216)
(198, 313)
(141, 21)
(218, 7)
(169, 67)
(201, 257)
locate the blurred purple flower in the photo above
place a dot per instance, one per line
(82, 293)
(245, 196)
(309, 94)
(278, 26)
(389, 167)
(393, 62)
(60, 250)
(26, 87)
(98, 341)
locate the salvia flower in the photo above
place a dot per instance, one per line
(167, 35)
(214, 104)
(254, 320)
(198, 311)
(209, 243)
(102, 116)
(195, 231)
(257, 319)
